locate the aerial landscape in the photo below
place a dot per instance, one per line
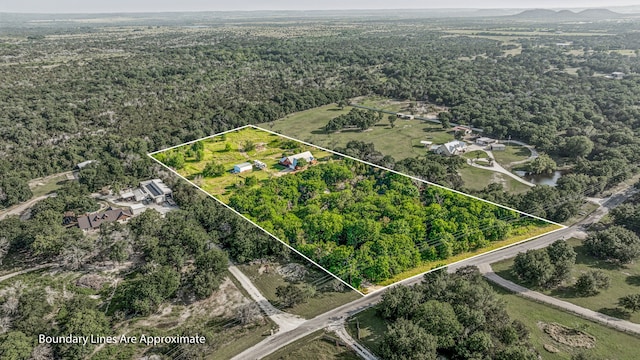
(336, 181)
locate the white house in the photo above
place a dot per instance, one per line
(451, 148)
(259, 164)
(245, 166)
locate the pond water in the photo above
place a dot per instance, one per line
(541, 179)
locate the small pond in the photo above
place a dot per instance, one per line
(541, 179)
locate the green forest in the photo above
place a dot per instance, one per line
(367, 224)
(72, 91)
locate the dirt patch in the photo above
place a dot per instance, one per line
(225, 302)
(550, 348)
(568, 336)
(497, 178)
(292, 271)
(261, 147)
(266, 268)
(92, 281)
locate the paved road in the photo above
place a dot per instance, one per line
(18, 209)
(606, 320)
(342, 313)
(284, 320)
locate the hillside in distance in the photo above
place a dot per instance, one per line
(567, 15)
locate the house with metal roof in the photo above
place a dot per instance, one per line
(292, 161)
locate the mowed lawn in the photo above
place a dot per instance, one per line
(228, 150)
(512, 153)
(400, 142)
(610, 344)
(477, 179)
(625, 280)
(316, 346)
(267, 282)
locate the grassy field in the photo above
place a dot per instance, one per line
(47, 185)
(268, 149)
(316, 346)
(610, 344)
(401, 142)
(477, 179)
(624, 280)
(476, 154)
(267, 282)
(377, 102)
(512, 153)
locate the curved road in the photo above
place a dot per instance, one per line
(606, 320)
(336, 317)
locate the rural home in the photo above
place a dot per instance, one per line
(292, 161)
(245, 166)
(485, 141)
(93, 221)
(498, 147)
(451, 148)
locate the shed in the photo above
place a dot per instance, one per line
(498, 147)
(485, 141)
(246, 166)
(137, 208)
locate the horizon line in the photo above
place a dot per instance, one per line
(313, 10)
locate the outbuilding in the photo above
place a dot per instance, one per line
(485, 141)
(246, 166)
(498, 147)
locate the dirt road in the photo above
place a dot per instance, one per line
(284, 320)
(18, 209)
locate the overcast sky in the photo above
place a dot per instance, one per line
(62, 6)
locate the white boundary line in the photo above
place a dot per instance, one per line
(409, 279)
(362, 161)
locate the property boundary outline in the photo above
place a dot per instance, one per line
(561, 227)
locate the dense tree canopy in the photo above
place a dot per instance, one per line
(457, 315)
(363, 223)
